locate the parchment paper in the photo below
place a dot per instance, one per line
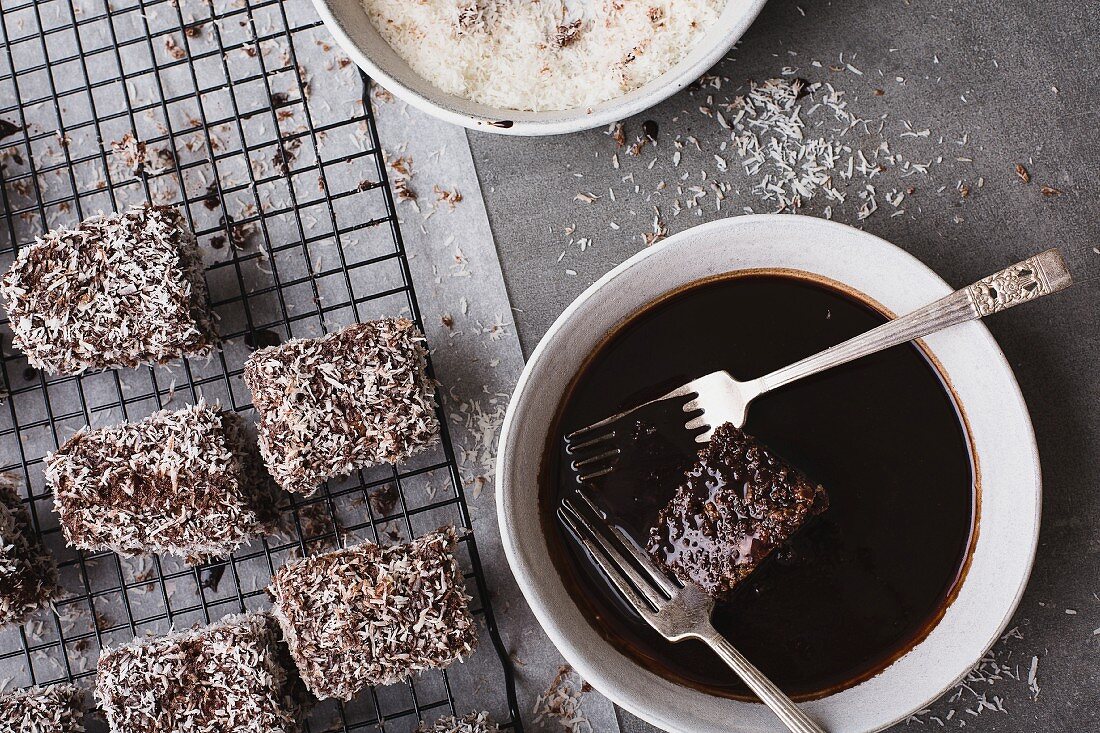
(477, 355)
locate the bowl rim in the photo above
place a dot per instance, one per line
(525, 123)
(618, 677)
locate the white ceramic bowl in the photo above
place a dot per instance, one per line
(348, 22)
(1007, 467)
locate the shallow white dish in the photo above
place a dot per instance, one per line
(1006, 466)
(348, 22)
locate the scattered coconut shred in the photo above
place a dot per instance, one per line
(549, 55)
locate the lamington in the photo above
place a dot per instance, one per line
(54, 709)
(119, 290)
(372, 615)
(352, 399)
(185, 483)
(737, 503)
(28, 575)
(230, 677)
(472, 723)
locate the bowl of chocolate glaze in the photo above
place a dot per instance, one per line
(877, 605)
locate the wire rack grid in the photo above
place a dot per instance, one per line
(209, 106)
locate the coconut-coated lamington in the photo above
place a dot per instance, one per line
(331, 405)
(230, 677)
(472, 723)
(54, 709)
(28, 575)
(184, 483)
(738, 502)
(371, 615)
(117, 291)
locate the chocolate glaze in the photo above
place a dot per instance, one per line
(858, 585)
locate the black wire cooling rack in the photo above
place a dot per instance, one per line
(243, 114)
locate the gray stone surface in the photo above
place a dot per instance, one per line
(1018, 80)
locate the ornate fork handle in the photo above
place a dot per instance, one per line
(796, 720)
(1043, 274)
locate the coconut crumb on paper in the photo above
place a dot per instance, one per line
(450, 197)
(136, 158)
(477, 422)
(472, 723)
(561, 703)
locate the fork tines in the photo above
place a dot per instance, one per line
(595, 449)
(625, 564)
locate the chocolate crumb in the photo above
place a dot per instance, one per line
(618, 134)
(452, 198)
(173, 48)
(212, 577)
(212, 200)
(384, 499)
(262, 339)
(9, 128)
(402, 191)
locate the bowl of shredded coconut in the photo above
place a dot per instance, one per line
(536, 67)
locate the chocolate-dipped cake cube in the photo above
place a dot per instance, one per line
(117, 291)
(54, 709)
(472, 723)
(28, 575)
(230, 677)
(331, 405)
(738, 502)
(184, 483)
(372, 615)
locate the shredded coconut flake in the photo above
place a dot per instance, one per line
(28, 575)
(549, 55)
(116, 291)
(54, 709)
(352, 399)
(372, 615)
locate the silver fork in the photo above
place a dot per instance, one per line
(718, 398)
(675, 611)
